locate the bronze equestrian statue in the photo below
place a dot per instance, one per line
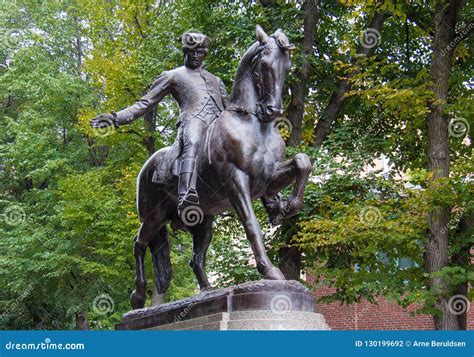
(201, 97)
(240, 159)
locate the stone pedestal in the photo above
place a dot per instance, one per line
(258, 305)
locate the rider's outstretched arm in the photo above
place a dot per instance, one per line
(159, 89)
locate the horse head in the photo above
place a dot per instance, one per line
(270, 67)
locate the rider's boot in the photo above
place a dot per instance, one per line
(187, 194)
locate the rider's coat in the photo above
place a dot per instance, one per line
(193, 89)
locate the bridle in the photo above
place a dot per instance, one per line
(255, 74)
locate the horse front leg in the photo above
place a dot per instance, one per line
(296, 170)
(239, 194)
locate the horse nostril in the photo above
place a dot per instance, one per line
(271, 110)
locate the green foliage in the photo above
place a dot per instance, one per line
(68, 194)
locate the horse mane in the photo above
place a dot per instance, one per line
(246, 63)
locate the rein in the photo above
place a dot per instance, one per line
(254, 74)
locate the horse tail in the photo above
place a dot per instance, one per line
(162, 260)
(151, 211)
(148, 193)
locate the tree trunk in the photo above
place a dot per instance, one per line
(337, 97)
(81, 321)
(290, 257)
(299, 88)
(437, 258)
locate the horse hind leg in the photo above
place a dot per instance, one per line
(202, 236)
(138, 297)
(160, 255)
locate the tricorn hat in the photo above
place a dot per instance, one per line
(192, 40)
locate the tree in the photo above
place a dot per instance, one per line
(437, 255)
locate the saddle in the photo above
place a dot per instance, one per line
(168, 166)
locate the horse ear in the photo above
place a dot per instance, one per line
(261, 35)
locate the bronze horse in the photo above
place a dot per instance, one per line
(243, 160)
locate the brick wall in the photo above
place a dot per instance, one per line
(384, 316)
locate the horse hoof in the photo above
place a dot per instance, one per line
(274, 273)
(137, 301)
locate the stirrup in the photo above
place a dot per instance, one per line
(191, 198)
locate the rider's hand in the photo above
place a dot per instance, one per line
(104, 121)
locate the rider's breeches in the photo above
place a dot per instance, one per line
(192, 137)
(193, 133)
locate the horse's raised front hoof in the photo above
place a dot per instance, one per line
(292, 207)
(273, 273)
(285, 209)
(207, 288)
(137, 301)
